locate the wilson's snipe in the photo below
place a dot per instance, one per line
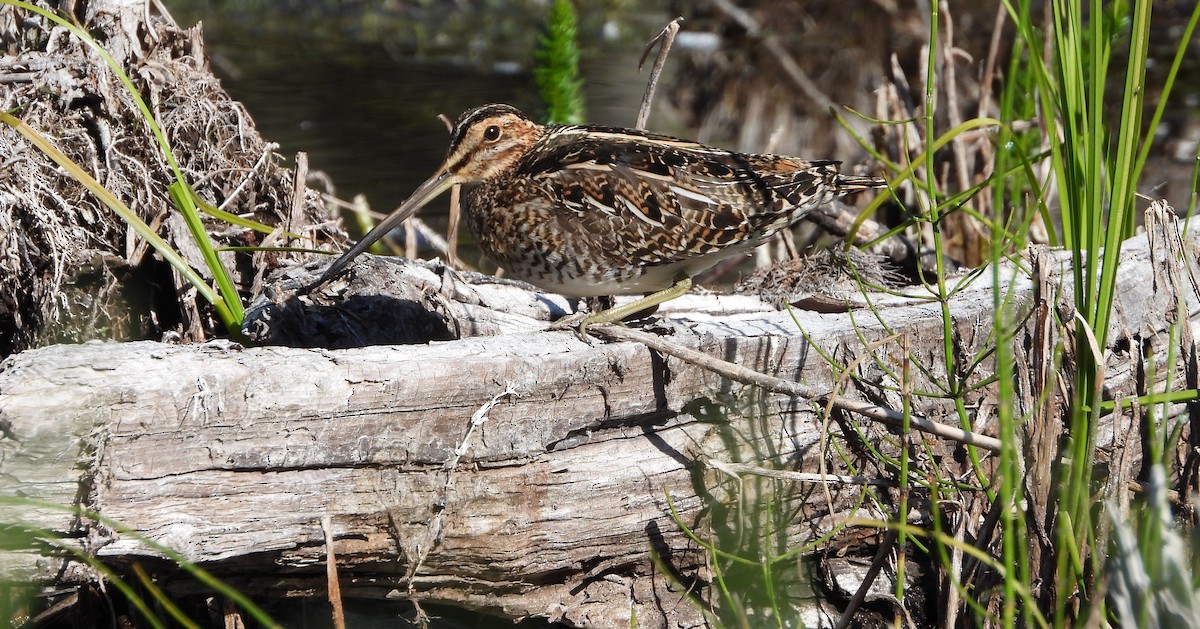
(589, 210)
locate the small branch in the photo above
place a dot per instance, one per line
(452, 228)
(666, 36)
(299, 186)
(417, 553)
(733, 469)
(455, 213)
(881, 557)
(54, 610)
(19, 77)
(779, 385)
(268, 149)
(331, 574)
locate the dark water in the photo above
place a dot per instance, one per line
(366, 111)
(358, 86)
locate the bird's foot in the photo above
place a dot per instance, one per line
(638, 309)
(577, 322)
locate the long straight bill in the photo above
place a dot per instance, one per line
(425, 193)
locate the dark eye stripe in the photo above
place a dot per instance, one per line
(473, 116)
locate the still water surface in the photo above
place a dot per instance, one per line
(366, 112)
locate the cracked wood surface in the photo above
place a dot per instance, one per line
(524, 474)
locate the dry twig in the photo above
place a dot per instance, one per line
(331, 574)
(666, 37)
(779, 385)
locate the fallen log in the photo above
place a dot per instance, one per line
(523, 473)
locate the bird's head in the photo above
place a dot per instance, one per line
(484, 143)
(487, 141)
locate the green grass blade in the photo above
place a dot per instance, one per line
(184, 201)
(200, 574)
(162, 599)
(234, 219)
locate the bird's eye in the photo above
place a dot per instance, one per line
(492, 133)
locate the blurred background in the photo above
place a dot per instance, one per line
(359, 85)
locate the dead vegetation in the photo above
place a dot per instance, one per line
(73, 271)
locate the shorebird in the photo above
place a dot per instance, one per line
(585, 210)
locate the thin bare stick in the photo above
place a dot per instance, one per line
(331, 575)
(410, 238)
(881, 556)
(963, 156)
(666, 36)
(455, 213)
(299, 186)
(953, 598)
(56, 609)
(989, 65)
(268, 149)
(733, 469)
(745, 375)
(452, 229)
(416, 553)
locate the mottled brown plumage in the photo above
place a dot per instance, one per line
(588, 210)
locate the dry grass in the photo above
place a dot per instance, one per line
(73, 272)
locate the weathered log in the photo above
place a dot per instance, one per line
(525, 474)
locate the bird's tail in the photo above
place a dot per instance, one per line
(847, 183)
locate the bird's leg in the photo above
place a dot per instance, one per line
(597, 304)
(648, 303)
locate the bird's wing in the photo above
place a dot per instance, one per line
(666, 200)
